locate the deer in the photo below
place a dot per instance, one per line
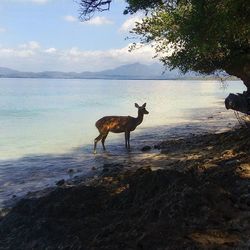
(119, 124)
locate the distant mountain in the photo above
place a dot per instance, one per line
(7, 71)
(134, 71)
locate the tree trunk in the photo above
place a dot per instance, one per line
(241, 71)
(240, 102)
(247, 83)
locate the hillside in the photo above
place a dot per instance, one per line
(134, 71)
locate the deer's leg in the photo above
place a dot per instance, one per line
(97, 139)
(128, 139)
(103, 141)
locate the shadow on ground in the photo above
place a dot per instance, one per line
(199, 200)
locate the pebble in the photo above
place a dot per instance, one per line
(70, 171)
(146, 148)
(60, 182)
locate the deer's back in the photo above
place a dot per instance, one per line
(116, 124)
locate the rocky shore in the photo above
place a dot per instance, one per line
(195, 194)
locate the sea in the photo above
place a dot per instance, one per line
(47, 126)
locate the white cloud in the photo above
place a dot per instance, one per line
(26, 50)
(2, 30)
(70, 18)
(33, 45)
(81, 60)
(129, 24)
(50, 50)
(39, 1)
(12, 53)
(98, 20)
(32, 57)
(29, 1)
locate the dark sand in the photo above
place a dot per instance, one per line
(195, 194)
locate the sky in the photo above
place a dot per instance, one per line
(40, 35)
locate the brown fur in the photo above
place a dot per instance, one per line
(115, 124)
(119, 124)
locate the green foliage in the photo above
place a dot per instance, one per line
(201, 35)
(146, 5)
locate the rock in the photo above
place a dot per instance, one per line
(70, 171)
(231, 162)
(60, 182)
(3, 212)
(105, 170)
(111, 169)
(245, 199)
(146, 148)
(157, 146)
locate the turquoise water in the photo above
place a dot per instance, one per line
(47, 126)
(41, 116)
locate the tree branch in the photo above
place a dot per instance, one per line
(89, 7)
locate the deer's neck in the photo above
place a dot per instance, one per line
(139, 118)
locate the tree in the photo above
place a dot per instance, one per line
(202, 35)
(89, 7)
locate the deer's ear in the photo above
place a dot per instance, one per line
(136, 105)
(144, 105)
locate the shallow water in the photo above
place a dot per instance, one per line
(47, 126)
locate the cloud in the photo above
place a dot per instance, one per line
(33, 1)
(12, 53)
(32, 45)
(30, 1)
(70, 18)
(33, 57)
(50, 50)
(129, 24)
(39, 1)
(94, 60)
(98, 20)
(26, 50)
(2, 30)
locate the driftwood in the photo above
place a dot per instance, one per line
(238, 102)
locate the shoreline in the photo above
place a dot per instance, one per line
(194, 193)
(134, 79)
(80, 163)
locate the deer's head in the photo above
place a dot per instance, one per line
(142, 109)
